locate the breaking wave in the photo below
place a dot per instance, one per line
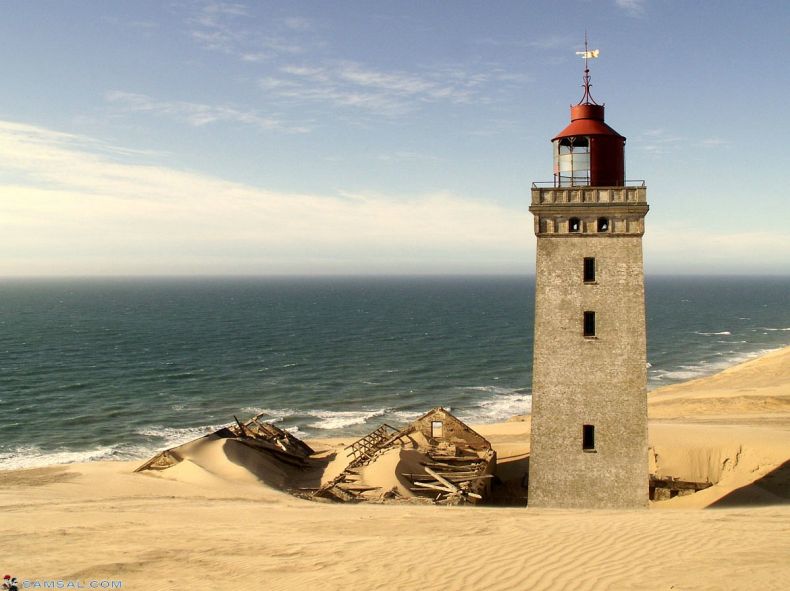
(173, 436)
(34, 457)
(333, 419)
(500, 405)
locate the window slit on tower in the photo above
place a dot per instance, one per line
(589, 269)
(603, 224)
(588, 437)
(589, 324)
(574, 225)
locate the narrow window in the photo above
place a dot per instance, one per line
(589, 324)
(436, 429)
(574, 225)
(603, 224)
(589, 269)
(588, 437)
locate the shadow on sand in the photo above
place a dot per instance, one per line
(276, 472)
(771, 489)
(510, 486)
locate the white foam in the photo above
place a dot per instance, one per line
(503, 404)
(337, 419)
(679, 375)
(173, 436)
(713, 334)
(499, 390)
(273, 415)
(34, 457)
(773, 329)
(405, 416)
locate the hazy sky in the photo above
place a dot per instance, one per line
(200, 137)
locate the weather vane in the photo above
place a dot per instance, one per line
(587, 54)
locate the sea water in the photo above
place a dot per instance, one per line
(120, 368)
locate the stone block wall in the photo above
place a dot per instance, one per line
(598, 381)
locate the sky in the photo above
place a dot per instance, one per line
(337, 137)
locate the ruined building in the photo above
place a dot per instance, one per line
(589, 414)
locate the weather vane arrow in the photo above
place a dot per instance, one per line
(587, 54)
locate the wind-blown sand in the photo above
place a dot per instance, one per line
(209, 522)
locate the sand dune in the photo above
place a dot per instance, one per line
(211, 522)
(757, 387)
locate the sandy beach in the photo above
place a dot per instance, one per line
(211, 523)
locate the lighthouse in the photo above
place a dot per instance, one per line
(589, 399)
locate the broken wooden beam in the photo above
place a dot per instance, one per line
(357, 488)
(441, 479)
(673, 483)
(459, 467)
(424, 485)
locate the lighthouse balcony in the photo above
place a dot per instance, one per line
(589, 211)
(634, 193)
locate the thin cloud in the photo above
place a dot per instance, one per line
(350, 85)
(37, 136)
(225, 27)
(198, 114)
(255, 57)
(389, 93)
(659, 141)
(298, 23)
(632, 7)
(714, 142)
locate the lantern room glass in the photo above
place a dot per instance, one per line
(571, 161)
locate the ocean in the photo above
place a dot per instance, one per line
(121, 368)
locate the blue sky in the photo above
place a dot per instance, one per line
(158, 138)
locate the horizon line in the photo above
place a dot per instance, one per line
(777, 275)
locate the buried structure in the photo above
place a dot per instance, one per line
(254, 433)
(435, 459)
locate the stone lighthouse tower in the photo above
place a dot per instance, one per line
(589, 412)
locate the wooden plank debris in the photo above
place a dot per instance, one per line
(668, 487)
(365, 449)
(459, 463)
(263, 437)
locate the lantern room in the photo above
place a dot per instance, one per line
(588, 152)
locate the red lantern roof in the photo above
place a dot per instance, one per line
(587, 119)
